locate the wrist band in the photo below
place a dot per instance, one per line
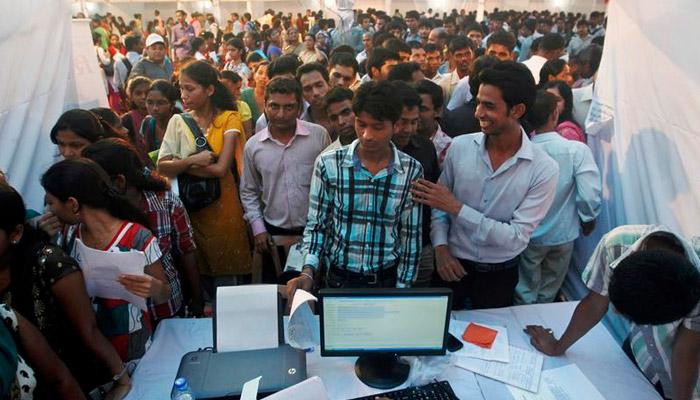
(308, 276)
(120, 374)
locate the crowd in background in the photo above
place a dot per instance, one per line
(406, 150)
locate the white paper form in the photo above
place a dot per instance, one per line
(250, 389)
(522, 371)
(310, 389)
(101, 269)
(303, 331)
(499, 351)
(246, 317)
(563, 383)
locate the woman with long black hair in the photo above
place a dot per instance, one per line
(80, 193)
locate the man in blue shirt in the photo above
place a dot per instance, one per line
(577, 202)
(495, 188)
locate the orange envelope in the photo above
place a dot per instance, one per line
(479, 335)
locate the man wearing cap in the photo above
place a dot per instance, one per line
(155, 65)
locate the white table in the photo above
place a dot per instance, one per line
(596, 354)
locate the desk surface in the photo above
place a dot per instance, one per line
(596, 354)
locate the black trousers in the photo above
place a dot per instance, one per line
(485, 285)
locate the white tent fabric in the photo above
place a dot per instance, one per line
(644, 125)
(43, 74)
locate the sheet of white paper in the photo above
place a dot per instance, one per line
(174, 186)
(498, 351)
(246, 317)
(295, 258)
(563, 383)
(250, 389)
(101, 269)
(303, 331)
(522, 371)
(310, 389)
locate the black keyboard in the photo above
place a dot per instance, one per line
(432, 391)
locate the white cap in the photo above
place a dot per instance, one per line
(154, 38)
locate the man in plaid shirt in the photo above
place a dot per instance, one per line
(362, 221)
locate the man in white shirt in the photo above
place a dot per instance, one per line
(580, 40)
(338, 102)
(122, 67)
(461, 53)
(237, 25)
(597, 28)
(551, 47)
(495, 188)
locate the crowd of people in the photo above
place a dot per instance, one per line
(409, 150)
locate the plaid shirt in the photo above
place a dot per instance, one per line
(171, 226)
(361, 222)
(652, 345)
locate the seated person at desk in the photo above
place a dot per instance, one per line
(652, 277)
(362, 222)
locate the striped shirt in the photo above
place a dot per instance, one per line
(652, 345)
(364, 222)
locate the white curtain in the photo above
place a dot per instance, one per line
(43, 74)
(644, 125)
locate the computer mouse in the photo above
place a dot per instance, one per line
(453, 344)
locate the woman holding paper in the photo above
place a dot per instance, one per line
(169, 221)
(46, 286)
(79, 192)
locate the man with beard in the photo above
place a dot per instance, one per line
(313, 78)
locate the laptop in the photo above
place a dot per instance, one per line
(221, 375)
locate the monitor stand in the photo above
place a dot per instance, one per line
(382, 371)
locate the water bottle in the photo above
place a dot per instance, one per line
(182, 390)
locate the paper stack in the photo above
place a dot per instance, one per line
(487, 352)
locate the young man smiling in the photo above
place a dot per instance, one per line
(362, 222)
(495, 188)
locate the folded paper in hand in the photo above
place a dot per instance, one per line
(101, 270)
(303, 329)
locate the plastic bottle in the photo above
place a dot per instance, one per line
(182, 390)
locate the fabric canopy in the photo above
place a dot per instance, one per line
(644, 125)
(49, 65)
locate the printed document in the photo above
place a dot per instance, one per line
(522, 371)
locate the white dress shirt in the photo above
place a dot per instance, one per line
(535, 64)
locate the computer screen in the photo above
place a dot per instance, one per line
(399, 321)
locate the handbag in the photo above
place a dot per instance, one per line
(197, 192)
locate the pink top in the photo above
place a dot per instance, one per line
(571, 131)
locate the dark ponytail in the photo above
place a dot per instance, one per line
(118, 157)
(90, 185)
(109, 120)
(206, 75)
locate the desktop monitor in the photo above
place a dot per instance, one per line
(380, 325)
